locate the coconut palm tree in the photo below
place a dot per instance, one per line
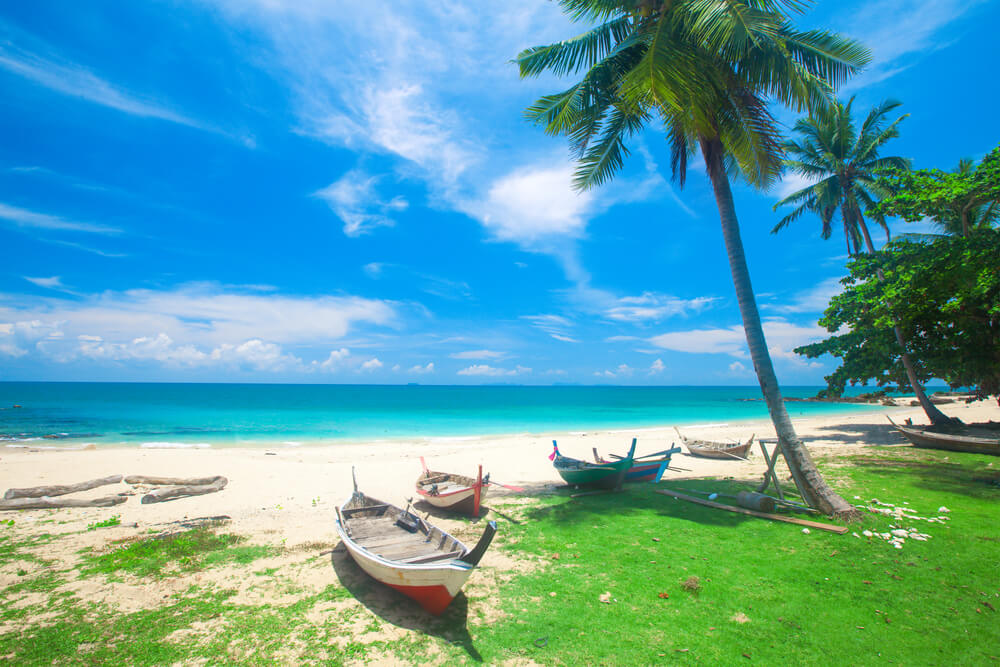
(845, 164)
(705, 70)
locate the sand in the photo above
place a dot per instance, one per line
(288, 494)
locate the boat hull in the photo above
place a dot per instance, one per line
(950, 442)
(450, 492)
(605, 476)
(647, 471)
(433, 587)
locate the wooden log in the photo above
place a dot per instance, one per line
(55, 503)
(172, 492)
(840, 530)
(61, 490)
(170, 481)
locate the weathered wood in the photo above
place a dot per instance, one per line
(52, 503)
(170, 481)
(173, 492)
(60, 490)
(840, 530)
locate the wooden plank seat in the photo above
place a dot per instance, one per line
(379, 509)
(430, 558)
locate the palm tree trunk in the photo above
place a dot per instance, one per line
(933, 414)
(811, 484)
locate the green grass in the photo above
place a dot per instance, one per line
(172, 554)
(684, 584)
(113, 520)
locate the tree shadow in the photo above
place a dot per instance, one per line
(956, 473)
(605, 508)
(401, 611)
(873, 434)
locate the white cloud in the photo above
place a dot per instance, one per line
(371, 365)
(490, 371)
(374, 269)
(478, 354)
(623, 370)
(736, 368)
(356, 202)
(652, 306)
(423, 370)
(531, 204)
(336, 359)
(25, 218)
(657, 367)
(191, 324)
(782, 337)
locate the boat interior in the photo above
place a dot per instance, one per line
(395, 534)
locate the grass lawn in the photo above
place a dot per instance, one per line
(631, 578)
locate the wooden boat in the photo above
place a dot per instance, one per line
(648, 468)
(716, 450)
(455, 493)
(581, 473)
(401, 550)
(944, 439)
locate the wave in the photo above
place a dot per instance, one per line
(175, 445)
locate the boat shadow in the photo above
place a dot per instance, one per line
(395, 608)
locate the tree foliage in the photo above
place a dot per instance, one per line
(945, 295)
(961, 201)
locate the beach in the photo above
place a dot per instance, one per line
(288, 494)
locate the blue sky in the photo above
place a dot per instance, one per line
(320, 191)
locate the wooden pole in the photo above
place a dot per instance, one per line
(840, 530)
(170, 481)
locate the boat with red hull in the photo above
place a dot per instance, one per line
(451, 492)
(401, 550)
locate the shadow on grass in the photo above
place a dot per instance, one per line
(949, 472)
(867, 433)
(643, 499)
(401, 611)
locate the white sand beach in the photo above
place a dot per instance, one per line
(288, 494)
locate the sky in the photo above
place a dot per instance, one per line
(338, 192)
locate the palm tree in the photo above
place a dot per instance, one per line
(845, 165)
(706, 70)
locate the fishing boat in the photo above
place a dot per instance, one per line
(716, 450)
(648, 468)
(582, 473)
(401, 550)
(924, 437)
(455, 493)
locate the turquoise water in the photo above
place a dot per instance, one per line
(199, 415)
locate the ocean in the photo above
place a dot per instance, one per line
(77, 414)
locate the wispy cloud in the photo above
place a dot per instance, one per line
(355, 200)
(899, 34)
(782, 337)
(653, 307)
(812, 300)
(25, 218)
(53, 282)
(478, 354)
(77, 81)
(555, 326)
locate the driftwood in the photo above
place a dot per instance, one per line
(49, 491)
(217, 483)
(170, 481)
(52, 503)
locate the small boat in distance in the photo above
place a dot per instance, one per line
(455, 493)
(581, 473)
(934, 439)
(401, 550)
(716, 450)
(648, 468)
